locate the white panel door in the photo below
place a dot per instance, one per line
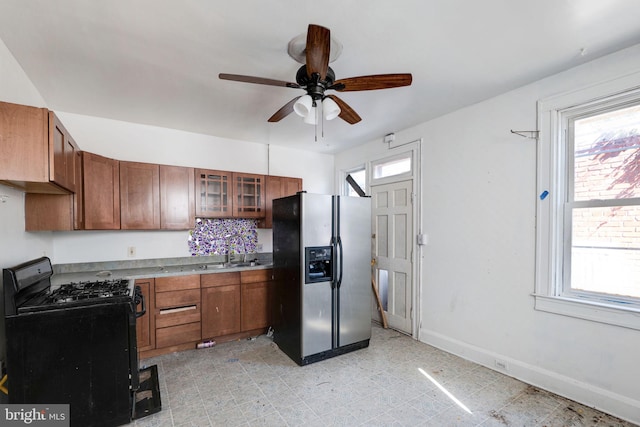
(392, 213)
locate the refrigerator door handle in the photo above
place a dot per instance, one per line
(339, 279)
(334, 264)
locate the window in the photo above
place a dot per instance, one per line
(360, 177)
(603, 204)
(588, 258)
(398, 165)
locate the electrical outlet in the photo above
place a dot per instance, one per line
(259, 247)
(131, 251)
(501, 364)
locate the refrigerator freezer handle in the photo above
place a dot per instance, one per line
(334, 264)
(339, 280)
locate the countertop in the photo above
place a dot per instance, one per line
(161, 267)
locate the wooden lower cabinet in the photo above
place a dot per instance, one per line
(145, 325)
(220, 304)
(177, 311)
(184, 310)
(178, 334)
(256, 299)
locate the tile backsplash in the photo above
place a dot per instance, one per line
(213, 236)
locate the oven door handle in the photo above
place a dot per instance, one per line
(139, 299)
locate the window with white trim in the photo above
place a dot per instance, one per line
(359, 176)
(588, 258)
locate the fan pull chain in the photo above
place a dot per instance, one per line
(322, 118)
(316, 110)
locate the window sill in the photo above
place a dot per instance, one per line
(627, 317)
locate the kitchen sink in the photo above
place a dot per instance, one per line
(212, 266)
(229, 265)
(242, 264)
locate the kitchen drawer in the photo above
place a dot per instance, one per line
(176, 283)
(175, 335)
(177, 316)
(174, 299)
(219, 279)
(254, 276)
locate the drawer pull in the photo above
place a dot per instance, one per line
(177, 309)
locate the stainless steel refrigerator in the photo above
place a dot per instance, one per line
(322, 268)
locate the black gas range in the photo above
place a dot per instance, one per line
(76, 344)
(75, 294)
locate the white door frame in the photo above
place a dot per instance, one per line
(415, 148)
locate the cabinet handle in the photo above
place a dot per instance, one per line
(177, 309)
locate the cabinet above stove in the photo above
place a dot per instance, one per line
(37, 153)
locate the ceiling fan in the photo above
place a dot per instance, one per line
(315, 77)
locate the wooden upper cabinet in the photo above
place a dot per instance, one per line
(139, 196)
(279, 186)
(248, 195)
(222, 194)
(78, 196)
(56, 212)
(35, 150)
(62, 155)
(177, 198)
(48, 212)
(101, 192)
(24, 155)
(214, 193)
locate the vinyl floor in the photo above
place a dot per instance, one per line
(396, 381)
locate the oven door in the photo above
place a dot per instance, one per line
(81, 356)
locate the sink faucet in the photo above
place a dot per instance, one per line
(228, 239)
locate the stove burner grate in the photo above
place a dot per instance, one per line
(75, 291)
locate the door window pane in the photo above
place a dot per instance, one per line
(392, 167)
(383, 288)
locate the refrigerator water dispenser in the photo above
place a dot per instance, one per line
(318, 265)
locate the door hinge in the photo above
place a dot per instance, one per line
(413, 196)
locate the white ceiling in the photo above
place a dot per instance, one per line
(157, 61)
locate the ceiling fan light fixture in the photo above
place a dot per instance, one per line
(303, 105)
(312, 117)
(330, 109)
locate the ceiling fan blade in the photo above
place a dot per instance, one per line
(284, 111)
(257, 80)
(378, 81)
(318, 47)
(347, 113)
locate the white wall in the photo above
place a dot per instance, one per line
(479, 202)
(16, 245)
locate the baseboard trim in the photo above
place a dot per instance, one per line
(586, 394)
